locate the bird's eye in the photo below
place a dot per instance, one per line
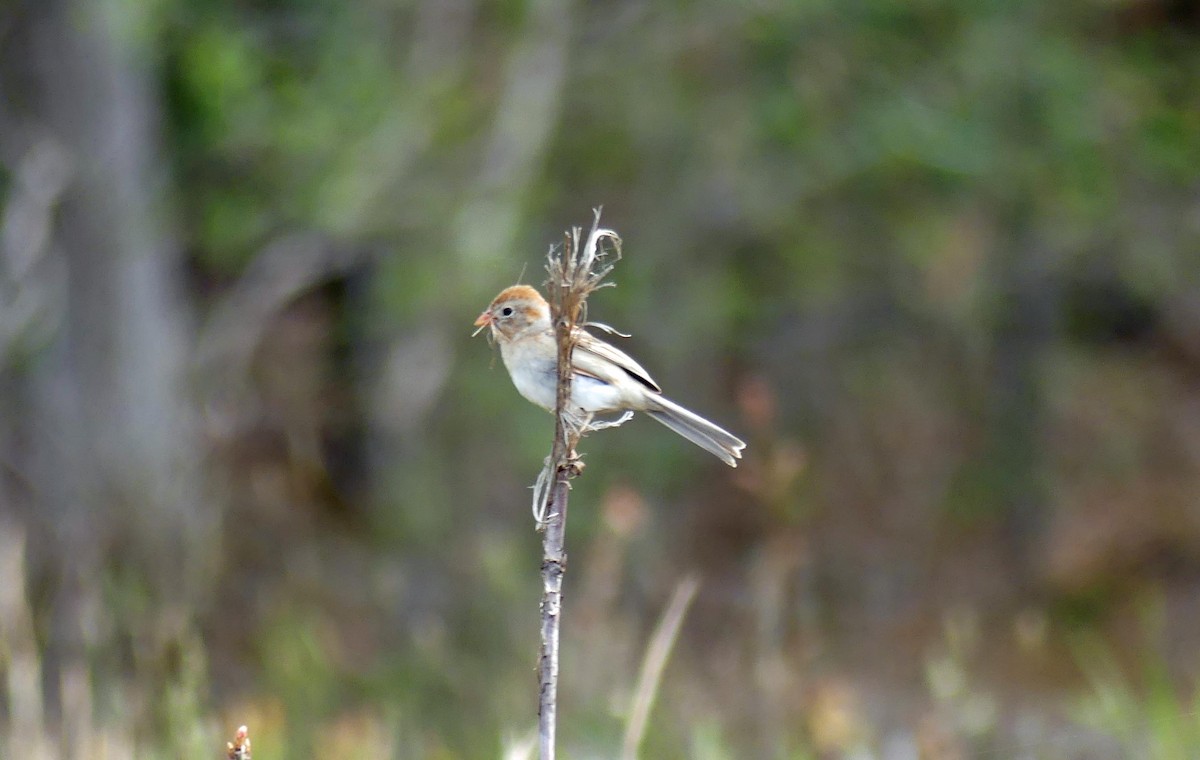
(506, 311)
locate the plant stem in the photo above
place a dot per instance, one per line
(661, 644)
(554, 559)
(573, 274)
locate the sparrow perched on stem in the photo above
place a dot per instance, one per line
(604, 378)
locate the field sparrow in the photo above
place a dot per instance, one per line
(605, 378)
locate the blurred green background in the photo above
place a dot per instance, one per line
(938, 262)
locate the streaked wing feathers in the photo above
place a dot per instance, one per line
(595, 357)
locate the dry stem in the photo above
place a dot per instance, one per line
(573, 273)
(655, 659)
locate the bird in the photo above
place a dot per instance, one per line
(604, 378)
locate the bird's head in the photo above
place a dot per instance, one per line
(516, 312)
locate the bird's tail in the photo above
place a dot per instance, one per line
(718, 442)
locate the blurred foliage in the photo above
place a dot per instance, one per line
(1150, 713)
(937, 260)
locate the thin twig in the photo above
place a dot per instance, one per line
(661, 644)
(573, 273)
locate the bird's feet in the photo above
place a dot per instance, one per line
(574, 465)
(595, 424)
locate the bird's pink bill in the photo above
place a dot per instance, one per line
(483, 321)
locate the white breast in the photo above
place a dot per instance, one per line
(532, 371)
(535, 376)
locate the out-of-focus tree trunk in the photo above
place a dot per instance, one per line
(110, 452)
(1024, 324)
(415, 365)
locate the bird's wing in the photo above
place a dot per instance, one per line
(594, 357)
